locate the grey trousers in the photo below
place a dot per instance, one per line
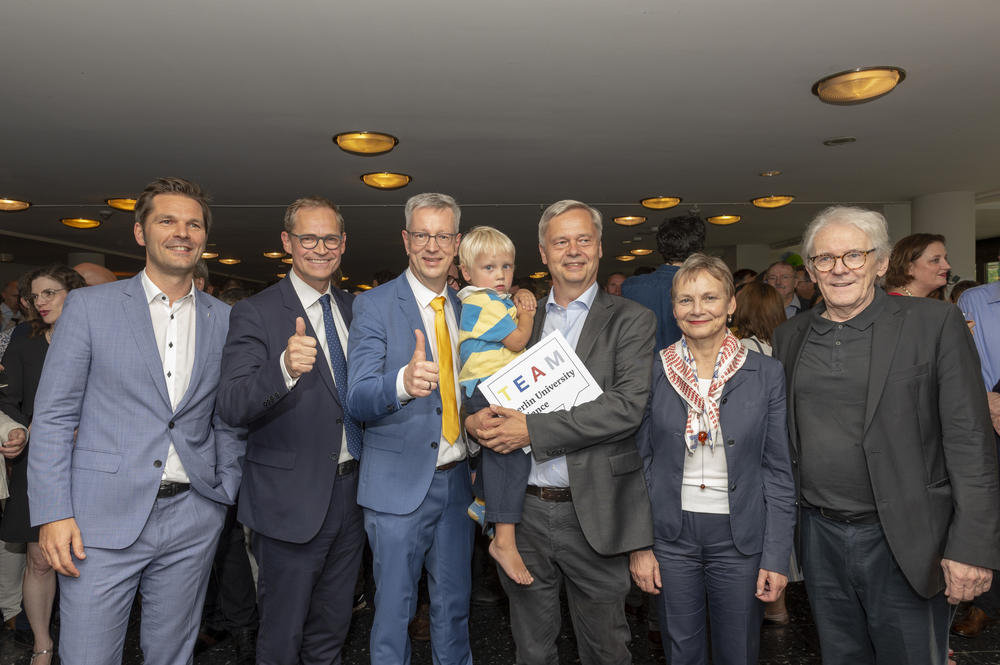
(555, 551)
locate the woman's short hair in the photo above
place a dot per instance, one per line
(483, 240)
(904, 252)
(699, 263)
(759, 310)
(66, 276)
(871, 223)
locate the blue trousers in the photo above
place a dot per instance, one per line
(436, 536)
(169, 564)
(702, 561)
(866, 612)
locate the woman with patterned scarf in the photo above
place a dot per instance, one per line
(715, 447)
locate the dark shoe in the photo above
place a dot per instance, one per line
(655, 640)
(360, 602)
(245, 644)
(420, 627)
(973, 623)
(488, 595)
(208, 638)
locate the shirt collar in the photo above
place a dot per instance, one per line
(308, 296)
(859, 322)
(470, 289)
(153, 291)
(423, 295)
(586, 299)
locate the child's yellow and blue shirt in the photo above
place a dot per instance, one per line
(487, 318)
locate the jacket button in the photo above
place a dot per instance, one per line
(157, 464)
(439, 410)
(732, 488)
(170, 425)
(340, 421)
(725, 399)
(434, 444)
(730, 442)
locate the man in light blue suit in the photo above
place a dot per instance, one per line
(414, 484)
(128, 456)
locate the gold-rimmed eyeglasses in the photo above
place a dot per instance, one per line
(44, 296)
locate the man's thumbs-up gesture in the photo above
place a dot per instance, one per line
(420, 378)
(300, 354)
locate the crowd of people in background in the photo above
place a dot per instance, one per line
(832, 418)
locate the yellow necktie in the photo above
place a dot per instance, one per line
(446, 373)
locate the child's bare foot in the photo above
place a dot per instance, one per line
(510, 560)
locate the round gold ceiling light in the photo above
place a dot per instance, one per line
(120, 203)
(365, 143)
(364, 287)
(625, 257)
(773, 201)
(856, 86)
(209, 254)
(280, 275)
(723, 220)
(640, 251)
(386, 180)
(80, 222)
(630, 220)
(660, 202)
(769, 174)
(539, 274)
(13, 205)
(231, 261)
(287, 260)
(274, 254)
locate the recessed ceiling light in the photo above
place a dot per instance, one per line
(274, 254)
(770, 174)
(80, 222)
(287, 260)
(365, 143)
(229, 261)
(280, 275)
(839, 140)
(640, 251)
(660, 202)
(364, 287)
(722, 220)
(629, 220)
(209, 255)
(386, 180)
(856, 86)
(13, 205)
(625, 257)
(772, 201)
(121, 204)
(344, 278)
(538, 274)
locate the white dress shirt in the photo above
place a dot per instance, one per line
(706, 466)
(447, 452)
(310, 297)
(174, 328)
(569, 321)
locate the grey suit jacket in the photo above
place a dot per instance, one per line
(598, 438)
(927, 437)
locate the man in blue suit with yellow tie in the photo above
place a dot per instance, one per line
(130, 466)
(414, 484)
(284, 376)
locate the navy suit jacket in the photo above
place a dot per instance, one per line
(295, 435)
(755, 438)
(103, 379)
(401, 440)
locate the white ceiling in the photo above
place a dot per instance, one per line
(506, 105)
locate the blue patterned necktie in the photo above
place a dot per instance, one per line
(339, 364)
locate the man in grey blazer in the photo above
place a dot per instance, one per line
(586, 502)
(130, 466)
(893, 453)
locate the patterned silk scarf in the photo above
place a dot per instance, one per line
(703, 415)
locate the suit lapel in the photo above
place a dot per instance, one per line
(407, 302)
(141, 326)
(791, 362)
(203, 329)
(292, 303)
(885, 338)
(598, 317)
(539, 325)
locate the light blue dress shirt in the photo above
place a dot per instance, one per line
(982, 305)
(569, 321)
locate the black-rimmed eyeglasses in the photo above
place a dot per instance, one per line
(309, 241)
(419, 238)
